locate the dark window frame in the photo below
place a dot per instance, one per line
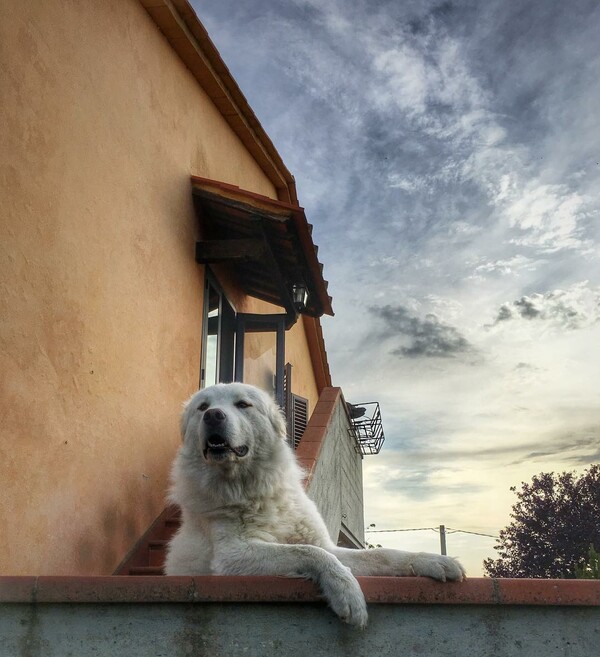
(225, 332)
(230, 331)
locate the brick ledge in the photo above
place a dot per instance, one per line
(377, 590)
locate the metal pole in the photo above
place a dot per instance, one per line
(443, 539)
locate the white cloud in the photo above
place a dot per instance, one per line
(547, 216)
(404, 75)
(505, 267)
(575, 307)
(408, 183)
(416, 75)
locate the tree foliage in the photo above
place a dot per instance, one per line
(589, 568)
(554, 523)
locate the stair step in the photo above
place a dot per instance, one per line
(156, 553)
(170, 527)
(146, 570)
(148, 555)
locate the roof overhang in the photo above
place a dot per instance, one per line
(178, 21)
(267, 243)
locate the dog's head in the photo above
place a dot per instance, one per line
(229, 423)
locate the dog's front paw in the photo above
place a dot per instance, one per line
(345, 597)
(438, 567)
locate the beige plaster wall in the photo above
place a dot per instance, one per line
(298, 354)
(101, 126)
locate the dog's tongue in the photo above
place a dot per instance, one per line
(240, 451)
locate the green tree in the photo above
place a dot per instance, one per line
(589, 568)
(556, 519)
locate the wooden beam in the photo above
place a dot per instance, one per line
(229, 250)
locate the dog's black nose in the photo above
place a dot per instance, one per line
(214, 416)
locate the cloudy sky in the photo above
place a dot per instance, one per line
(448, 154)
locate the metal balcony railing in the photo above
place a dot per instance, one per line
(366, 427)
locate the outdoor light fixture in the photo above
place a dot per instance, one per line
(299, 296)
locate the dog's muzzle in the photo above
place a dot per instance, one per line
(217, 446)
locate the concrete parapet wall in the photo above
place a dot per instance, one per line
(264, 616)
(334, 467)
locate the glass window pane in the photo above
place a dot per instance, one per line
(211, 360)
(260, 349)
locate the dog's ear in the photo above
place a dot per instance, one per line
(185, 416)
(277, 417)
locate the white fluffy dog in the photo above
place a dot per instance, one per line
(245, 512)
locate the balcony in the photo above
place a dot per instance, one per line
(366, 427)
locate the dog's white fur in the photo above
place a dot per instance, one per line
(248, 514)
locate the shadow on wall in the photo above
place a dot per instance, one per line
(122, 525)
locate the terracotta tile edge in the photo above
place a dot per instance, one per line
(330, 394)
(308, 466)
(309, 447)
(378, 590)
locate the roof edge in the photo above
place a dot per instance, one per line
(182, 28)
(317, 351)
(296, 214)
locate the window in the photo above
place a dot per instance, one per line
(260, 352)
(241, 346)
(218, 336)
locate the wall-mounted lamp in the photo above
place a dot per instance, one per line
(299, 296)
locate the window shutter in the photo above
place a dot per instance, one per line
(296, 409)
(299, 419)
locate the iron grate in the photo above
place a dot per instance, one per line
(366, 427)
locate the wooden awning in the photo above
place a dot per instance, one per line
(268, 244)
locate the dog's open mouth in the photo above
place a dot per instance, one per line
(219, 448)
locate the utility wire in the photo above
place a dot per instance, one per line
(450, 530)
(412, 529)
(466, 531)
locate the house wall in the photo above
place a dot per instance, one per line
(297, 353)
(335, 475)
(101, 126)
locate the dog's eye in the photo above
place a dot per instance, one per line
(203, 406)
(243, 404)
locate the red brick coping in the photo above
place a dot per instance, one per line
(309, 447)
(378, 590)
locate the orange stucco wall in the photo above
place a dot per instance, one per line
(297, 353)
(101, 126)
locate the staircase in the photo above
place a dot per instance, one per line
(148, 555)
